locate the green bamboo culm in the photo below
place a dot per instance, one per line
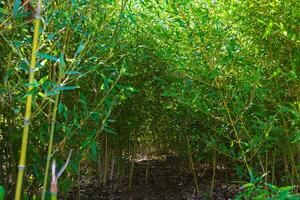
(53, 119)
(2, 192)
(22, 161)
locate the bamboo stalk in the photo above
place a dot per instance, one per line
(273, 168)
(147, 172)
(192, 164)
(131, 166)
(238, 139)
(53, 120)
(105, 162)
(23, 152)
(213, 174)
(113, 161)
(266, 167)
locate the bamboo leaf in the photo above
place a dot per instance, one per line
(43, 79)
(73, 73)
(42, 95)
(67, 88)
(268, 30)
(51, 93)
(60, 107)
(4, 11)
(79, 49)
(94, 150)
(48, 57)
(16, 7)
(109, 130)
(22, 15)
(95, 116)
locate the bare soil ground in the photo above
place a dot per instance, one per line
(165, 181)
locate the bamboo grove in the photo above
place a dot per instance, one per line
(213, 82)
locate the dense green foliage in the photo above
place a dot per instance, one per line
(211, 81)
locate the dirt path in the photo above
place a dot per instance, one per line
(164, 182)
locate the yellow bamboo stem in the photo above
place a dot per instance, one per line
(22, 161)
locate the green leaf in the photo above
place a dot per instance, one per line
(286, 188)
(276, 72)
(48, 57)
(94, 150)
(131, 89)
(95, 116)
(43, 79)
(67, 88)
(62, 64)
(51, 36)
(79, 49)
(16, 7)
(268, 30)
(60, 107)
(4, 11)
(42, 95)
(51, 93)
(82, 99)
(73, 73)
(109, 130)
(292, 75)
(24, 65)
(22, 15)
(248, 185)
(74, 3)
(252, 178)
(283, 30)
(283, 194)
(273, 188)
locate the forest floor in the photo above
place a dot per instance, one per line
(165, 181)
